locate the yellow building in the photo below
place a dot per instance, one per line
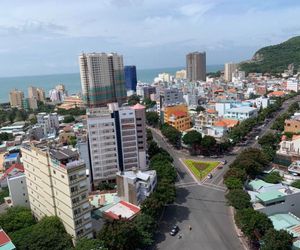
(177, 117)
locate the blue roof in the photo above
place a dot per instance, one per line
(11, 156)
(8, 246)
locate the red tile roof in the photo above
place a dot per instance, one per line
(132, 207)
(138, 106)
(18, 166)
(179, 113)
(4, 239)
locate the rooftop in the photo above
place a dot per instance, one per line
(270, 196)
(286, 221)
(5, 242)
(62, 154)
(122, 209)
(243, 109)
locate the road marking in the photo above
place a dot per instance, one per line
(186, 183)
(213, 186)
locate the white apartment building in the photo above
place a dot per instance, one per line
(57, 186)
(49, 122)
(18, 194)
(117, 140)
(292, 84)
(241, 113)
(135, 186)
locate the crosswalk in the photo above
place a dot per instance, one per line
(202, 184)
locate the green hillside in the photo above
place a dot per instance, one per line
(275, 59)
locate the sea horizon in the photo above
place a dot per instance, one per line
(72, 80)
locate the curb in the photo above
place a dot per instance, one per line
(238, 231)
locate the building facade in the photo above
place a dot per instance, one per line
(36, 93)
(177, 117)
(102, 79)
(130, 77)
(16, 98)
(196, 66)
(57, 186)
(135, 186)
(117, 140)
(229, 69)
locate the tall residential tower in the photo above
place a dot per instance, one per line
(102, 79)
(229, 69)
(196, 66)
(130, 77)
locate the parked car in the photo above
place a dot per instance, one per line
(174, 230)
(209, 176)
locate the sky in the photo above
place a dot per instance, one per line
(46, 36)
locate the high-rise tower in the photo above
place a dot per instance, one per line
(102, 79)
(196, 66)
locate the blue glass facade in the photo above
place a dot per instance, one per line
(130, 77)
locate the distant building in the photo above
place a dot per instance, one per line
(177, 117)
(145, 90)
(229, 69)
(57, 186)
(16, 98)
(36, 93)
(130, 77)
(292, 84)
(49, 122)
(11, 159)
(70, 102)
(102, 79)
(170, 97)
(12, 171)
(136, 186)
(30, 103)
(196, 66)
(181, 74)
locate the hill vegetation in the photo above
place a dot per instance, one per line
(275, 59)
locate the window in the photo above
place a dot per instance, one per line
(62, 176)
(54, 172)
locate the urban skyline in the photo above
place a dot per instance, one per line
(49, 41)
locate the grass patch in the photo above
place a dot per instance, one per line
(201, 169)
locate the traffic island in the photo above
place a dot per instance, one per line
(200, 169)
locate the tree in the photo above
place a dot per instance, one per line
(153, 149)
(72, 141)
(5, 136)
(69, 119)
(133, 99)
(267, 139)
(238, 173)
(119, 235)
(277, 240)
(106, 186)
(233, 183)
(200, 108)
(252, 223)
(145, 225)
(16, 218)
(208, 142)
(273, 177)
(149, 135)
(172, 134)
(149, 103)
(296, 184)
(152, 119)
(165, 191)
(89, 244)
(152, 206)
(192, 138)
(238, 198)
(49, 233)
(3, 193)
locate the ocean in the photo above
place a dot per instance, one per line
(72, 80)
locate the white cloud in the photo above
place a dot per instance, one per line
(195, 9)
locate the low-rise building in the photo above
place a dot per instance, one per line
(11, 159)
(292, 125)
(18, 193)
(241, 113)
(5, 241)
(121, 210)
(135, 186)
(177, 117)
(205, 119)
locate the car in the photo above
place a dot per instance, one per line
(224, 162)
(209, 176)
(214, 156)
(220, 166)
(174, 230)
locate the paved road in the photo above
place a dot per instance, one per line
(202, 205)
